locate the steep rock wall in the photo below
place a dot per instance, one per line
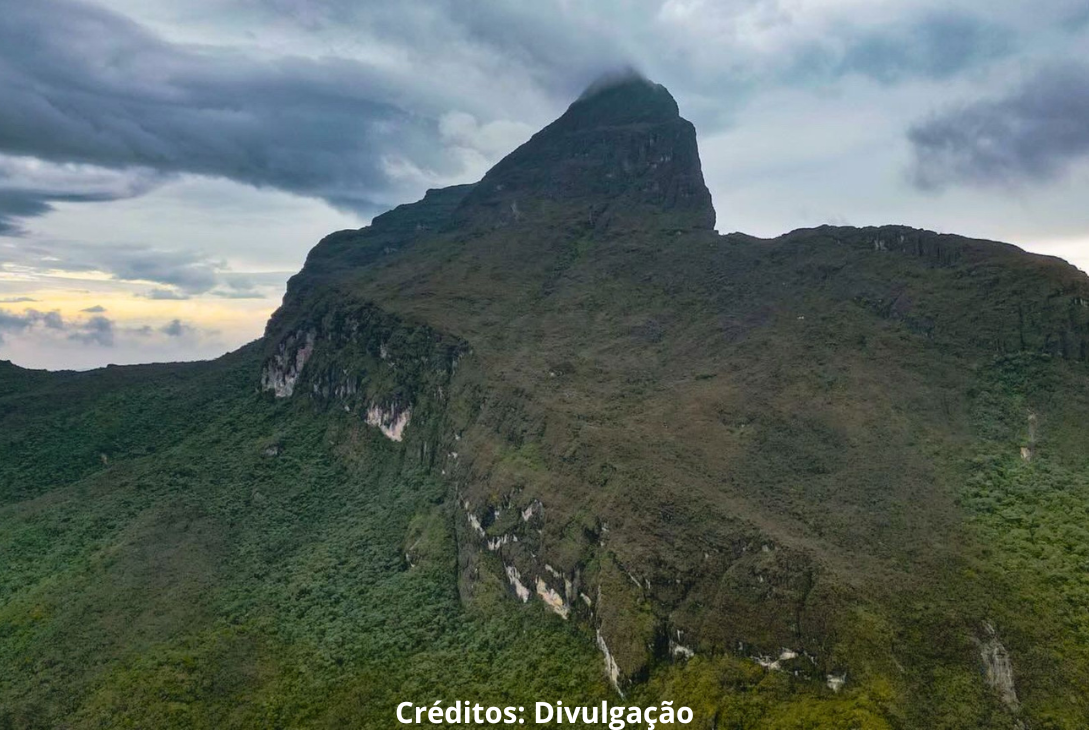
(353, 355)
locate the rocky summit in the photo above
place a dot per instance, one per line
(620, 154)
(550, 435)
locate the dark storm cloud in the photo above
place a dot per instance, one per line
(551, 44)
(86, 85)
(29, 187)
(19, 204)
(561, 49)
(83, 84)
(1032, 134)
(28, 203)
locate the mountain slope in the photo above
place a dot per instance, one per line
(267, 566)
(833, 479)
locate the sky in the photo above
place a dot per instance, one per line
(165, 166)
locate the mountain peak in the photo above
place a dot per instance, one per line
(623, 98)
(620, 156)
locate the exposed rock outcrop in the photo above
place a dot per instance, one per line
(356, 357)
(390, 421)
(997, 667)
(282, 370)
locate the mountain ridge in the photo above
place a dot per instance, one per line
(1057, 327)
(830, 479)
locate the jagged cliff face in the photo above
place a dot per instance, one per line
(694, 444)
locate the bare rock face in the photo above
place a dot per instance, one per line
(356, 357)
(282, 370)
(997, 667)
(390, 421)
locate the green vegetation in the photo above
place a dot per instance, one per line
(246, 571)
(262, 563)
(857, 457)
(1031, 510)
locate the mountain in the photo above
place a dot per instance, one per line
(550, 436)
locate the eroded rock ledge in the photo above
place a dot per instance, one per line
(353, 355)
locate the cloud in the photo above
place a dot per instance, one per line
(29, 186)
(164, 294)
(174, 274)
(175, 328)
(17, 204)
(17, 300)
(50, 328)
(935, 46)
(181, 273)
(1032, 134)
(97, 330)
(11, 322)
(242, 287)
(94, 330)
(417, 93)
(190, 272)
(96, 309)
(244, 294)
(85, 85)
